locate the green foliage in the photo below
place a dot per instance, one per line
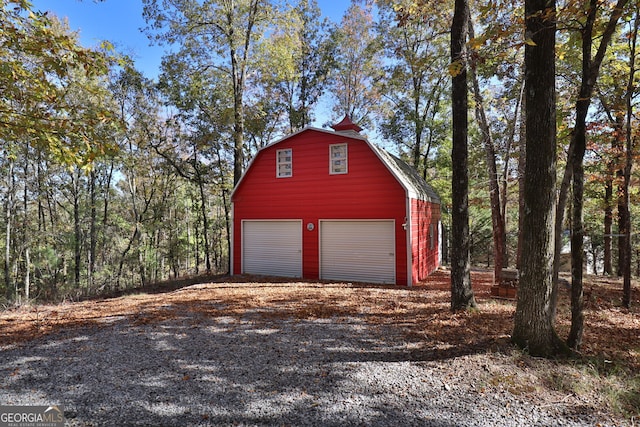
(357, 67)
(42, 71)
(416, 90)
(294, 65)
(156, 158)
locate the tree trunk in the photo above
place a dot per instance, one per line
(205, 223)
(461, 293)
(105, 213)
(579, 141)
(25, 227)
(629, 143)
(505, 177)
(76, 228)
(533, 323)
(42, 222)
(196, 233)
(608, 222)
(133, 190)
(563, 196)
(497, 220)
(26, 231)
(238, 74)
(522, 163)
(11, 182)
(617, 146)
(577, 257)
(92, 228)
(590, 71)
(238, 136)
(227, 214)
(626, 247)
(622, 220)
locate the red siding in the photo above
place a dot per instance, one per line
(367, 191)
(424, 221)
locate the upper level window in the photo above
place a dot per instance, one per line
(284, 164)
(338, 158)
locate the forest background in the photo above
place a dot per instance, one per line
(111, 180)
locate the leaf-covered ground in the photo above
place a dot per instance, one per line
(608, 373)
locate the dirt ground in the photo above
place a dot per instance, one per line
(609, 368)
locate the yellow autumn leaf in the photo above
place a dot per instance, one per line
(455, 68)
(530, 42)
(475, 43)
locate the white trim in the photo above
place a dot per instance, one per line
(346, 158)
(277, 141)
(440, 245)
(408, 236)
(410, 190)
(284, 163)
(233, 243)
(398, 175)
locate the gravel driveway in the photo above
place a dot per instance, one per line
(194, 370)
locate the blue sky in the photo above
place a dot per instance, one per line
(119, 21)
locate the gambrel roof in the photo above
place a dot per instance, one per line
(415, 186)
(409, 176)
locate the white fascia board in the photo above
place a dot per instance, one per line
(398, 175)
(408, 238)
(231, 272)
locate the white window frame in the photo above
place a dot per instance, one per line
(344, 157)
(281, 162)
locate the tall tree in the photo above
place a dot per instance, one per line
(575, 167)
(218, 34)
(589, 75)
(416, 44)
(496, 65)
(294, 63)
(357, 66)
(313, 63)
(608, 220)
(461, 292)
(8, 217)
(625, 226)
(533, 325)
(40, 59)
(497, 214)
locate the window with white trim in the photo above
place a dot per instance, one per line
(284, 163)
(337, 159)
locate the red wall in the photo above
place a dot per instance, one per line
(367, 191)
(425, 259)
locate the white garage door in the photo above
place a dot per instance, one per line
(272, 248)
(360, 251)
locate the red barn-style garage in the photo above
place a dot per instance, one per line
(329, 205)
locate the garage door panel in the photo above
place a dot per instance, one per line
(358, 251)
(272, 248)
